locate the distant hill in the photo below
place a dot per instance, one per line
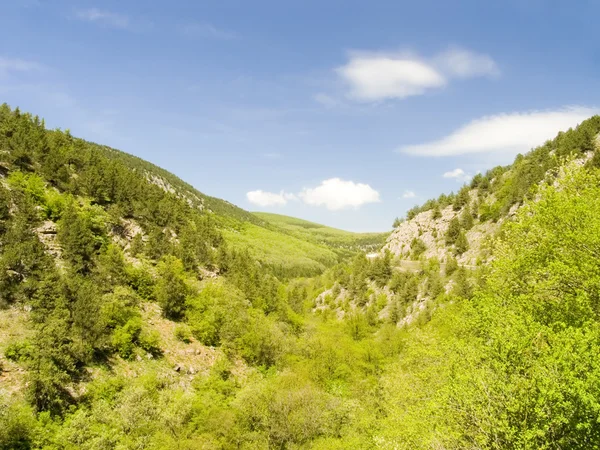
(321, 234)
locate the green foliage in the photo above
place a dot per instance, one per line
(417, 247)
(462, 198)
(451, 265)
(81, 235)
(286, 253)
(342, 242)
(507, 359)
(171, 290)
(18, 351)
(217, 314)
(17, 427)
(466, 219)
(453, 231)
(380, 269)
(183, 333)
(126, 336)
(462, 243)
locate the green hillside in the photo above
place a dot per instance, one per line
(285, 252)
(138, 313)
(322, 234)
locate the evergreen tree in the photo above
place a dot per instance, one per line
(461, 199)
(171, 290)
(466, 219)
(462, 243)
(77, 239)
(453, 231)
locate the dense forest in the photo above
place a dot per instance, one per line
(136, 312)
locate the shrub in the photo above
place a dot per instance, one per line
(183, 333)
(18, 351)
(125, 337)
(149, 340)
(417, 247)
(451, 265)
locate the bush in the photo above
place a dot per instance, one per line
(125, 337)
(451, 265)
(417, 247)
(149, 340)
(18, 351)
(183, 333)
(17, 427)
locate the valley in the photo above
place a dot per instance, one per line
(137, 312)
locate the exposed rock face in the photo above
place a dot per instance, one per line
(191, 199)
(432, 233)
(47, 235)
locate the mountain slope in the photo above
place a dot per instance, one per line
(321, 234)
(135, 315)
(475, 214)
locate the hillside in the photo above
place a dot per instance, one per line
(138, 313)
(462, 225)
(321, 234)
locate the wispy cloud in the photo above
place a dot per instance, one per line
(510, 133)
(380, 76)
(409, 194)
(11, 65)
(206, 30)
(463, 63)
(103, 17)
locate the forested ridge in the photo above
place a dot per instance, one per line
(136, 312)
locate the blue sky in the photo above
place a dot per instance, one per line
(342, 112)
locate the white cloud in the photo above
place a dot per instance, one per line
(408, 194)
(380, 76)
(262, 198)
(466, 64)
(8, 65)
(336, 194)
(458, 174)
(206, 30)
(104, 17)
(504, 133)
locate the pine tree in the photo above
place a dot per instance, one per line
(171, 290)
(462, 243)
(461, 199)
(466, 219)
(77, 239)
(453, 231)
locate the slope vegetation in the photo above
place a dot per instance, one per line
(321, 234)
(132, 319)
